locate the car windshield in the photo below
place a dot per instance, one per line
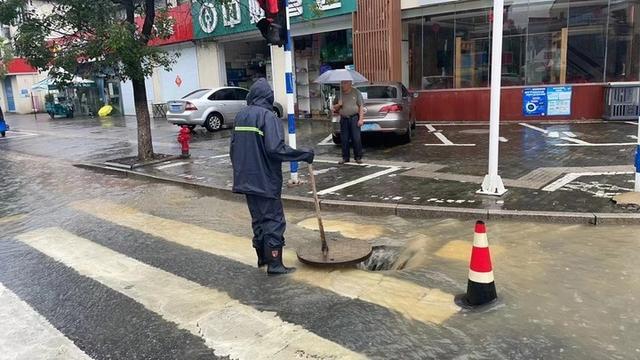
(196, 94)
(378, 92)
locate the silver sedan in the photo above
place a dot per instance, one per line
(211, 108)
(387, 110)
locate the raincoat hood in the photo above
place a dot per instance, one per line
(260, 94)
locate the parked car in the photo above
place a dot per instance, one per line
(211, 108)
(387, 110)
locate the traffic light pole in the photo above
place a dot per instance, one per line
(291, 119)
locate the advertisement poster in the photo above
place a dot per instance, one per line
(534, 101)
(559, 100)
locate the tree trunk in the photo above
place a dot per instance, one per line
(145, 143)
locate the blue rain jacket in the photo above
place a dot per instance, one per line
(258, 148)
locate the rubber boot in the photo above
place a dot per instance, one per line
(262, 260)
(276, 267)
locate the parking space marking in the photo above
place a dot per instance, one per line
(575, 141)
(569, 134)
(179, 163)
(599, 144)
(326, 141)
(570, 177)
(534, 128)
(359, 180)
(631, 123)
(445, 141)
(503, 139)
(632, 137)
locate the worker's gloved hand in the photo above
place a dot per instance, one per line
(309, 155)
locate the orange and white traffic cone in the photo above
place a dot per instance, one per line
(481, 288)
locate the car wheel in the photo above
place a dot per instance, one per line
(213, 122)
(336, 139)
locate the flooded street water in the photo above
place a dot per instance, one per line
(105, 267)
(565, 291)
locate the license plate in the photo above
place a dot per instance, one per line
(370, 127)
(175, 108)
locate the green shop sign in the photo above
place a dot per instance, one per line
(212, 19)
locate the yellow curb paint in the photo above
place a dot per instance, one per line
(461, 250)
(346, 228)
(229, 327)
(410, 299)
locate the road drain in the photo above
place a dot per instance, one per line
(383, 258)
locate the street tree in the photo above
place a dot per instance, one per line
(108, 37)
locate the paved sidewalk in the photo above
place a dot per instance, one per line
(575, 172)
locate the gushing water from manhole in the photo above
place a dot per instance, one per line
(411, 256)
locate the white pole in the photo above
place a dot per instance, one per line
(637, 163)
(492, 184)
(288, 68)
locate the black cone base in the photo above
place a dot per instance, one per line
(479, 294)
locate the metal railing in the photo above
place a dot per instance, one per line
(622, 101)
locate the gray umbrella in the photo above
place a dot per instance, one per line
(336, 76)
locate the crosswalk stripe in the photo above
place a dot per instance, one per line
(227, 326)
(12, 218)
(408, 298)
(25, 334)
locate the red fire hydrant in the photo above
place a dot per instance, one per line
(183, 138)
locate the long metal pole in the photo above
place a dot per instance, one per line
(288, 68)
(492, 184)
(637, 163)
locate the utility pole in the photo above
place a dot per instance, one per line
(492, 184)
(289, 84)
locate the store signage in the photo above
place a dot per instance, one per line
(547, 101)
(182, 25)
(213, 18)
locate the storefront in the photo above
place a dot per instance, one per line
(582, 44)
(15, 88)
(320, 33)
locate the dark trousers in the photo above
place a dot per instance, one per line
(267, 221)
(350, 135)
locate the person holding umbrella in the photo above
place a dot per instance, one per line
(350, 105)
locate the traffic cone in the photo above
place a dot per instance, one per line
(481, 288)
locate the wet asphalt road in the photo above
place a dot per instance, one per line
(97, 266)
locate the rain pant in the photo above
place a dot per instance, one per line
(257, 153)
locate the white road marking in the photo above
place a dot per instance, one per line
(358, 181)
(576, 141)
(430, 128)
(454, 145)
(179, 163)
(219, 156)
(598, 144)
(631, 123)
(503, 139)
(229, 327)
(569, 134)
(632, 137)
(326, 141)
(568, 178)
(25, 334)
(535, 128)
(17, 135)
(443, 138)
(416, 302)
(553, 134)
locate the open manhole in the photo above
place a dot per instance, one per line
(383, 258)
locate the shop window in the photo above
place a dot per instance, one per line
(622, 41)
(472, 48)
(586, 45)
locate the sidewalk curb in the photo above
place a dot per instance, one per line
(387, 209)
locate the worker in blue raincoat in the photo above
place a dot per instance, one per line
(257, 153)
